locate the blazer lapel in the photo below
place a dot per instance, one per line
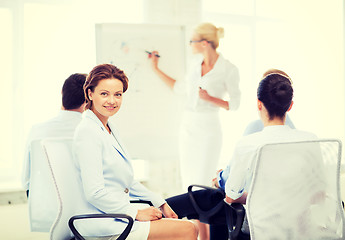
(116, 142)
(113, 138)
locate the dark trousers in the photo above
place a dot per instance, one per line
(206, 199)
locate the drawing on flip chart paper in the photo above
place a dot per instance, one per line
(150, 113)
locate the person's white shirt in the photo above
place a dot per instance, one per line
(63, 125)
(222, 81)
(252, 127)
(257, 126)
(242, 162)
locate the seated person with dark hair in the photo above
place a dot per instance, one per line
(63, 125)
(252, 127)
(274, 95)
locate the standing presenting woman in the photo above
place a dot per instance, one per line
(209, 79)
(105, 169)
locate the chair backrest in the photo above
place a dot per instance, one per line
(60, 160)
(70, 195)
(295, 192)
(42, 202)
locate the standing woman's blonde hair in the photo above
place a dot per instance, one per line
(210, 33)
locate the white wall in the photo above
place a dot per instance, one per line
(50, 41)
(303, 38)
(45, 41)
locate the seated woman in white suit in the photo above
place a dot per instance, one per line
(105, 169)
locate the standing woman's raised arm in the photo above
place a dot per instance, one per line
(154, 56)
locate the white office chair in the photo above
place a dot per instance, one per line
(295, 192)
(42, 202)
(76, 218)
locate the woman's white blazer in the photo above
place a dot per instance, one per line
(105, 169)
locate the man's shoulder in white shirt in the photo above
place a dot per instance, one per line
(63, 125)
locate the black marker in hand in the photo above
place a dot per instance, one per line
(150, 53)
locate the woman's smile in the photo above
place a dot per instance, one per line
(110, 108)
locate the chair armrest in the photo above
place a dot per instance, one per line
(141, 201)
(204, 216)
(122, 236)
(235, 213)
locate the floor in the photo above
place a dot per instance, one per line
(14, 223)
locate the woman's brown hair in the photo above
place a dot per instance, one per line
(101, 72)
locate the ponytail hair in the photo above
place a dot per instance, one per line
(275, 92)
(210, 33)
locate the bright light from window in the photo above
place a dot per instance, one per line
(243, 7)
(59, 40)
(7, 95)
(303, 38)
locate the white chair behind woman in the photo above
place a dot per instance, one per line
(42, 199)
(71, 197)
(295, 192)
